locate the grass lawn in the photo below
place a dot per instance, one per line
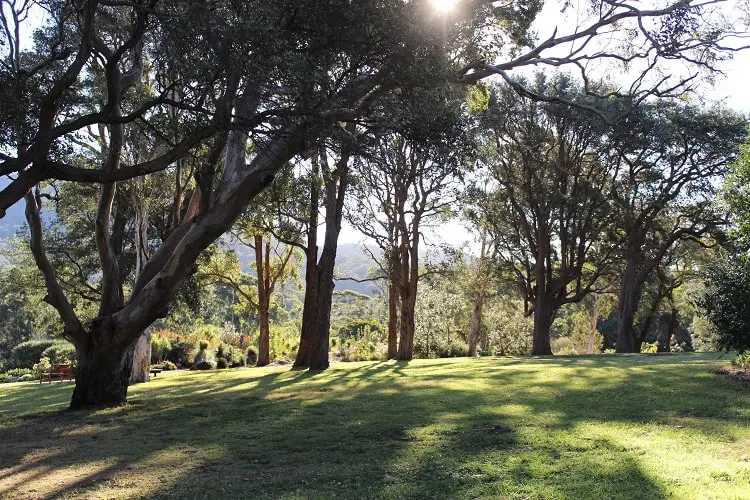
(590, 427)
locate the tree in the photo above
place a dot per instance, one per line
(274, 265)
(284, 73)
(548, 207)
(669, 158)
(727, 302)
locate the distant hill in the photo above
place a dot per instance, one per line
(351, 262)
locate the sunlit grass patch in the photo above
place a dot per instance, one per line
(564, 427)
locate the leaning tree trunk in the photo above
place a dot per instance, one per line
(476, 323)
(102, 374)
(141, 369)
(544, 314)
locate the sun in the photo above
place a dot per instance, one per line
(444, 5)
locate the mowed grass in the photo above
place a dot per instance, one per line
(590, 427)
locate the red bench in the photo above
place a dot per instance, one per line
(62, 371)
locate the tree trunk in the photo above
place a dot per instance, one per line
(392, 320)
(141, 359)
(406, 343)
(142, 351)
(316, 314)
(543, 317)
(476, 323)
(264, 339)
(594, 322)
(261, 269)
(102, 374)
(630, 298)
(665, 343)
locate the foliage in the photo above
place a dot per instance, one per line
(251, 356)
(61, 353)
(25, 354)
(182, 353)
(204, 364)
(508, 329)
(166, 366)
(358, 329)
(44, 365)
(222, 363)
(161, 347)
(742, 360)
(650, 348)
(283, 342)
(727, 302)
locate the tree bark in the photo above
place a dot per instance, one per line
(102, 375)
(476, 323)
(594, 322)
(665, 343)
(630, 297)
(262, 264)
(316, 313)
(392, 319)
(141, 370)
(543, 317)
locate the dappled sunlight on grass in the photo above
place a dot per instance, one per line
(563, 427)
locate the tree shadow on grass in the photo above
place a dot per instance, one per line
(364, 432)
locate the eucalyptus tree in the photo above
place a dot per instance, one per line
(279, 75)
(549, 206)
(670, 159)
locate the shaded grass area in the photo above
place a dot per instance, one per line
(586, 427)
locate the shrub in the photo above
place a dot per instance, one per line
(742, 360)
(203, 344)
(4, 378)
(204, 364)
(161, 347)
(26, 354)
(61, 353)
(166, 366)
(43, 366)
(726, 301)
(453, 349)
(181, 353)
(19, 372)
(361, 329)
(648, 348)
(222, 363)
(252, 356)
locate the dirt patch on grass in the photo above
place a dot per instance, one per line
(734, 373)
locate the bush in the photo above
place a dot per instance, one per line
(4, 378)
(161, 347)
(61, 353)
(742, 360)
(204, 364)
(648, 348)
(361, 329)
(222, 363)
(252, 356)
(26, 354)
(452, 350)
(43, 366)
(181, 353)
(166, 366)
(203, 344)
(726, 301)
